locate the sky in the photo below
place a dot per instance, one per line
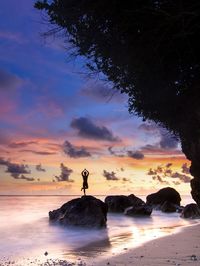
(56, 120)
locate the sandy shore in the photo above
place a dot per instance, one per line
(182, 249)
(179, 249)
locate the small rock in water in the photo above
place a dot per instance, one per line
(45, 253)
(194, 257)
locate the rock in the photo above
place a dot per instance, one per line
(191, 211)
(195, 185)
(135, 201)
(120, 202)
(142, 210)
(86, 211)
(168, 207)
(117, 203)
(166, 194)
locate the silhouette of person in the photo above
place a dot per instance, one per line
(85, 175)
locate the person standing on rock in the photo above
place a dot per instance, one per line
(85, 175)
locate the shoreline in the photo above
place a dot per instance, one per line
(179, 248)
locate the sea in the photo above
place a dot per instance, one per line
(27, 237)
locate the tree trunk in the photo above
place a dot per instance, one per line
(191, 148)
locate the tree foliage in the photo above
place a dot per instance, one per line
(149, 49)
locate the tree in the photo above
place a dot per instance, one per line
(150, 50)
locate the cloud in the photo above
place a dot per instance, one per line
(115, 153)
(3, 161)
(39, 152)
(110, 175)
(17, 171)
(39, 168)
(135, 155)
(21, 144)
(146, 127)
(9, 81)
(138, 155)
(102, 93)
(87, 129)
(167, 140)
(75, 152)
(160, 179)
(151, 172)
(24, 177)
(125, 179)
(161, 172)
(168, 165)
(181, 177)
(65, 174)
(185, 169)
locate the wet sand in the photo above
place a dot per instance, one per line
(181, 248)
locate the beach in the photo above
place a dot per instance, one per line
(181, 248)
(29, 239)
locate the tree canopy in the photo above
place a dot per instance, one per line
(149, 49)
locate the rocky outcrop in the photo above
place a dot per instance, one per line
(135, 201)
(166, 194)
(117, 203)
(142, 210)
(191, 211)
(120, 202)
(168, 207)
(86, 211)
(190, 142)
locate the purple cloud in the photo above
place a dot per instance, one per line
(21, 144)
(138, 155)
(39, 152)
(39, 168)
(161, 172)
(110, 175)
(75, 152)
(185, 169)
(65, 174)
(87, 129)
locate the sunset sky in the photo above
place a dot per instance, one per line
(55, 121)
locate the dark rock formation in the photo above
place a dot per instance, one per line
(195, 185)
(135, 201)
(120, 203)
(117, 203)
(168, 207)
(86, 211)
(165, 194)
(142, 210)
(190, 143)
(191, 211)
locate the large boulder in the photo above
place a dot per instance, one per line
(117, 203)
(142, 210)
(168, 207)
(191, 211)
(120, 202)
(86, 211)
(166, 194)
(135, 201)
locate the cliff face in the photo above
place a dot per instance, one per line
(191, 147)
